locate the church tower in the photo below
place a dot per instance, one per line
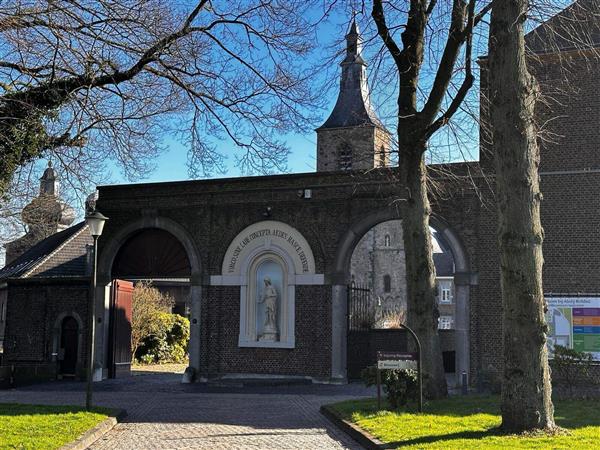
(45, 215)
(353, 137)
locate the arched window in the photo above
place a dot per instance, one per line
(345, 157)
(387, 240)
(387, 283)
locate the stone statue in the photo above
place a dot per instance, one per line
(269, 298)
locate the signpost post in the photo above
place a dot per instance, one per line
(401, 360)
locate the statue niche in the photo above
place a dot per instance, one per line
(269, 298)
(269, 279)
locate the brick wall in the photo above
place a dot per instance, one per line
(311, 355)
(33, 309)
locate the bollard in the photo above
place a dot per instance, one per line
(464, 383)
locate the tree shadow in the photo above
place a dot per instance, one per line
(445, 437)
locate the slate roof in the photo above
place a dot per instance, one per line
(443, 261)
(352, 109)
(353, 106)
(62, 254)
(444, 264)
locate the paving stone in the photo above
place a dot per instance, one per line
(163, 414)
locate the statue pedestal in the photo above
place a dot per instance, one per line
(269, 336)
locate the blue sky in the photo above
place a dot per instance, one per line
(171, 165)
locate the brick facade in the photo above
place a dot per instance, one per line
(35, 312)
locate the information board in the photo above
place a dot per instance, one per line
(396, 360)
(574, 322)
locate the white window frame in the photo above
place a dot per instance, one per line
(446, 323)
(446, 286)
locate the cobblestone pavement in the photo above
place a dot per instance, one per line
(163, 414)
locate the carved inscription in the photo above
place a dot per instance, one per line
(286, 238)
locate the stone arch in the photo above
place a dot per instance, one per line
(106, 260)
(340, 277)
(265, 235)
(111, 248)
(354, 234)
(56, 335)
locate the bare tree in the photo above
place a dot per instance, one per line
(87, 80)
(416, 126)
(518, 105)
(526, 390)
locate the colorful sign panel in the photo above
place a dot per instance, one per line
(574, 322)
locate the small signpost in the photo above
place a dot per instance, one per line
(401, 360)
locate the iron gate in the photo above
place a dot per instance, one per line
(359, 314)
(363, 339)
(360, 310)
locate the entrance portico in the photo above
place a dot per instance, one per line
(227, 226)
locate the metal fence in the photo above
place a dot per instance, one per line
(361, 313)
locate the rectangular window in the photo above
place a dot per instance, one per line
(445, 292)
(445, 323)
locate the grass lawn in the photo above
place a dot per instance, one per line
(44, 427)
(469, 423)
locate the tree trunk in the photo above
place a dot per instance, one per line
(420, 281)
(526, 388)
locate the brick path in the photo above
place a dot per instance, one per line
(163, 414)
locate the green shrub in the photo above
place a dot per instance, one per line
(399, 385)
(571, 367)
(146, 359)
(169, 342)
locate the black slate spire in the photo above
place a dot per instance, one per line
(353, 107)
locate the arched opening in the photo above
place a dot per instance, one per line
(151, 253)
(387, 283)
(151, 267)
(365, 257)
(69, 347)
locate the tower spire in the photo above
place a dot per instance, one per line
(49, 181)
(353, 42)
(353, 137)
(352, 134)
(353, 106)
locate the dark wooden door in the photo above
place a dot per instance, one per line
(120, 329)
(69, 345)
